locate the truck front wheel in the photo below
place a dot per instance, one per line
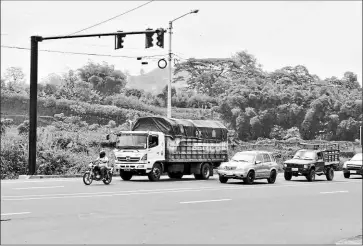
(125, 175)
(155, 173)
(311, 175)
(287, 175)
(347, 175)
(223, 180)
(329, 174)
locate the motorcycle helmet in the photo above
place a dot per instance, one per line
(102, 154)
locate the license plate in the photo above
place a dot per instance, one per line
(294, 169)
(127, 169)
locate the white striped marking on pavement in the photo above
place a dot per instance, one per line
(331, 192)
(15, 213)
(220, 200)
(45, 187)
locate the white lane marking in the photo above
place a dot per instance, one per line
(220, 200)
(110, 194)
(46, 187)
(331, 192)
(15, 213)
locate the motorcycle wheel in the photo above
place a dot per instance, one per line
(87, 180)
(108, 180)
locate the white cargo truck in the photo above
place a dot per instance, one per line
(158, 145)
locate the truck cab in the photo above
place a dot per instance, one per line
(137, 151)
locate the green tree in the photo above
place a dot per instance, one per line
(104, 78)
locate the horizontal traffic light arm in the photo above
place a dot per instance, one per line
(96, 35)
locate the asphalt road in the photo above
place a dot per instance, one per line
(185, 211)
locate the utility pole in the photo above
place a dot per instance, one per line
(170, 71)
(34, 40)
(170, 55)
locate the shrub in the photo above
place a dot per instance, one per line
(112, 124)
(23, 128)
(94, 127)
(50, 102)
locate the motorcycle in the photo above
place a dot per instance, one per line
(92, 174)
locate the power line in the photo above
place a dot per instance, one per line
(112, 18)
(80, 53)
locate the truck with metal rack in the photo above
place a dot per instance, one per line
(158, 145)
(313, 159)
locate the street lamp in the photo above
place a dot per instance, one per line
(170, 54)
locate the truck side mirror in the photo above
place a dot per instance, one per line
(108, 137)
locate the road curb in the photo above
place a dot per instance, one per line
(350, 241)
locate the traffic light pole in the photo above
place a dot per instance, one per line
(33, 103)
(34, 87)
(170, 71)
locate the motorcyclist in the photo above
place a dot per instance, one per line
(103, 162)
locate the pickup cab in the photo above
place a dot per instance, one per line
(353, 166)
(313, 160)
(249, 166)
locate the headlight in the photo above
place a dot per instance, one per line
(144, 158)
(306, 166)
(90, 165)
(345, 165)
(140, 166)
(285, 165)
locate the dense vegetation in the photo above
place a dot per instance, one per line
(78, 108)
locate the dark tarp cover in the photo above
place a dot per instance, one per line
(202, 129)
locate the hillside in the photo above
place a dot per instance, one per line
(154, 81)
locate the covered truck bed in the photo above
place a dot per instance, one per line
(199, 129)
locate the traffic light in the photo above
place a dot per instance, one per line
(119, 41)
(149, 40)
(160, 38)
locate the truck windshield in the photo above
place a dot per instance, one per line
(131, 141)
(357, 157)
(304, 154)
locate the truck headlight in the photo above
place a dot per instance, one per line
(306, 166)
(285, 165)
(144, 158)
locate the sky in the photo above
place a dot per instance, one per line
(324, 36)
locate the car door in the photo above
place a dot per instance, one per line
(266, 165)
(319, 167)
(154, 148)
(259, 166)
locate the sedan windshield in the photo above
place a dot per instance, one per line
(131, 141)
(357, 157)
(243, 157)
(304, 154)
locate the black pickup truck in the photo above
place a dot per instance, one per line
(313, 159)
